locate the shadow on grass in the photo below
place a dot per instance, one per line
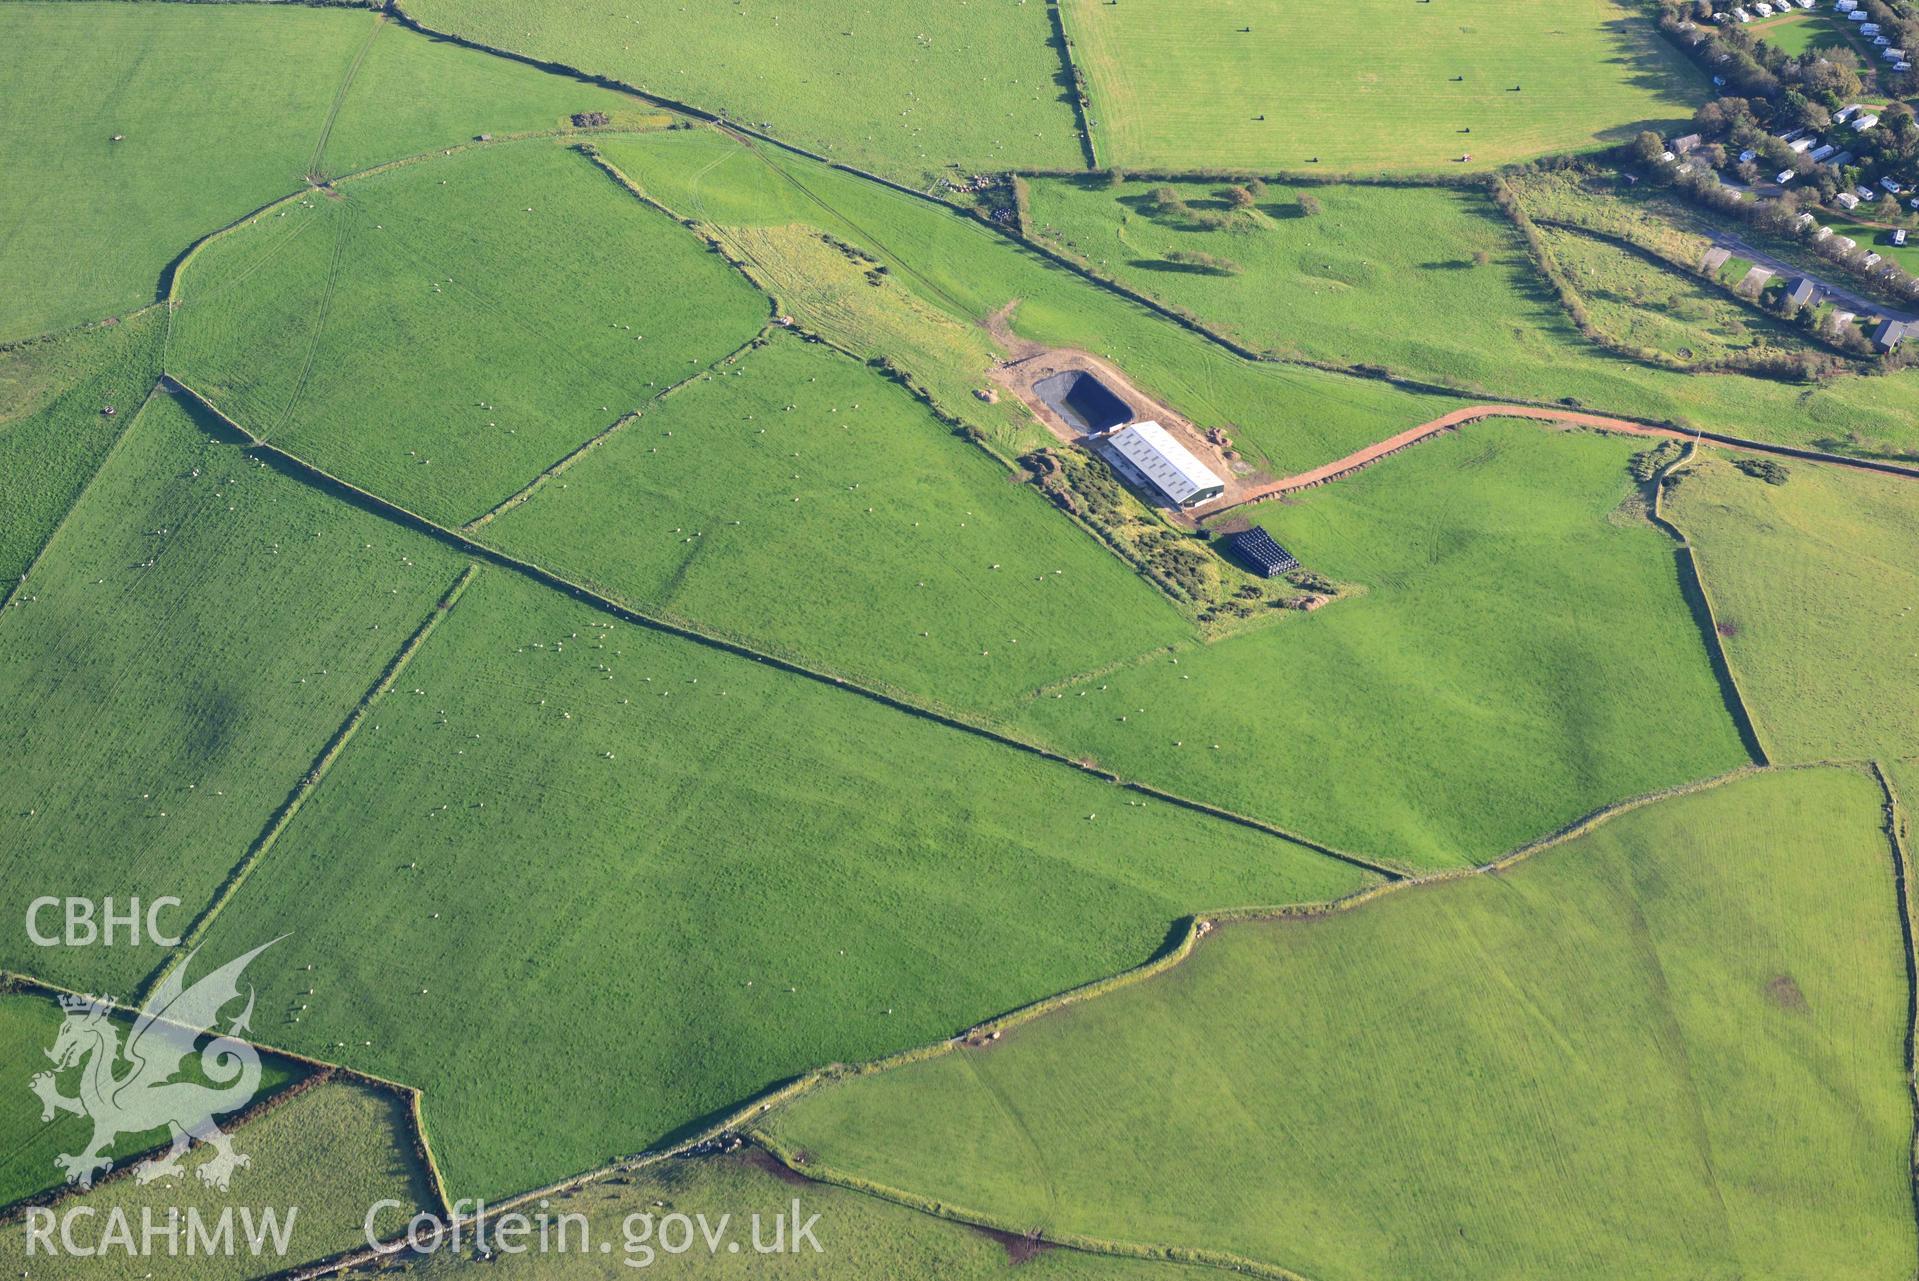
(1176, 268)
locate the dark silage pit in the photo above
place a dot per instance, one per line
(1087, 404)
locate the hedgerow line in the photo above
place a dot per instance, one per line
(321, 479)
(310, 780)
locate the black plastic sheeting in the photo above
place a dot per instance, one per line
(1083, 401)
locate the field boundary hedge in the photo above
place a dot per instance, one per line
(1570, 301)
(1076, 85)
(718, 119)
(17, 585)
(742, 261)
(1191, 1255)
(1190, 931)
(1187, 931)
(745, 132)
(300, 469)
(1183, 938)
(396, 10)
(170, 275)
(1897, 834)
(1756, 367)
(123, 1166)
(1693, 586)
(14, 980)
(566, 461)
(315, 774)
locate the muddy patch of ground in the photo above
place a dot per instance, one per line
(1785, 993)
(757, 1158)
(1019, 1249)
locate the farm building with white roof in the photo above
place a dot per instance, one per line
(1170, 467)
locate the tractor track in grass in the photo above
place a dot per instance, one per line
(310, 780)
(320, 316)
(308, 473)
(1185, 935)
(339, 99)
(592, 443)
(14, 588)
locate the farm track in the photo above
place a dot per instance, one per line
(1393, 878)
(1360, 459)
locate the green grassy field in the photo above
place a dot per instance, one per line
(28, 1025)
(1471, 693)
(591, 886)
(860, 1237)
(1382, 275)
(857, 304)
(1878, 239)
(1671, 1047)
(408, 301)
(687, 876)
(1368, 86)
(1284, 418)
(1546, 728)
(326, 1155)
(410, 93)
(1644, 304)
(1814, 582)
(1391, 276)
(1904, 776)
(907, 90)
(805, 504)
(91, 223)
(195, 635)
(1804, 33)
(53, 434)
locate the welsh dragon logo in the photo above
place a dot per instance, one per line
(136, 1087)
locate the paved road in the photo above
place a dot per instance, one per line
(1846, 298)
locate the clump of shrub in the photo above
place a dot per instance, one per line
(1211, 264)
(590, 119)
(1177, 562)
(1307, 580)
(1168, 203)
(1309, 205)
(1648, 463)
(1769, 470)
